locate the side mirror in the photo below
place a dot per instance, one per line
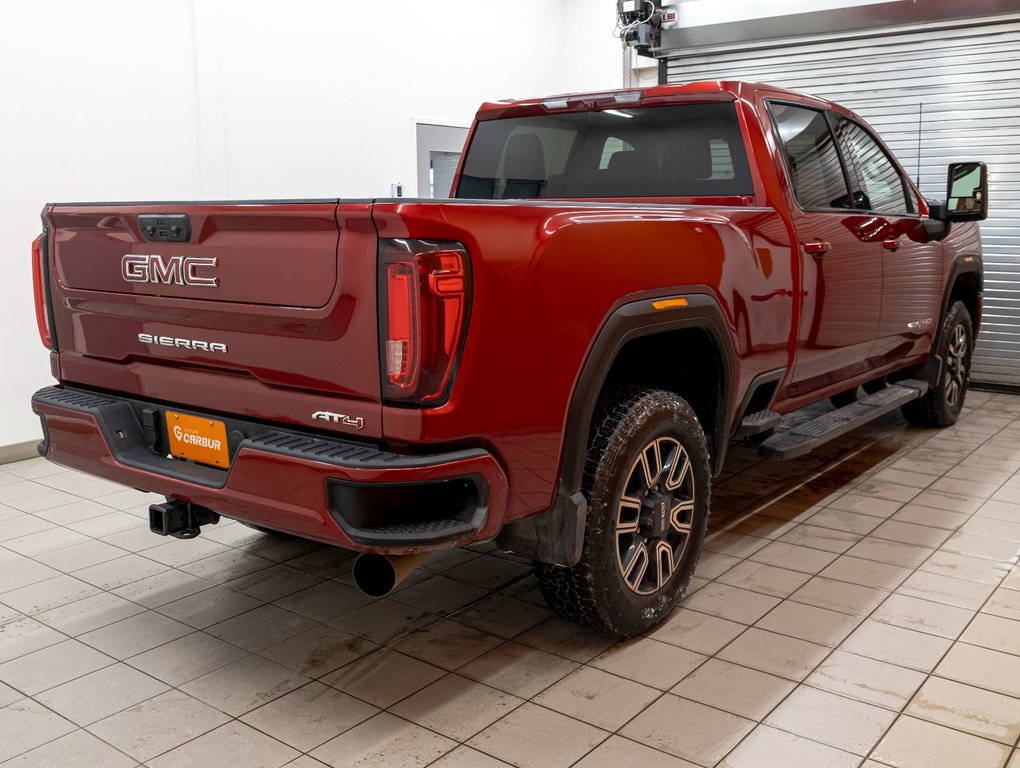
(967, 193)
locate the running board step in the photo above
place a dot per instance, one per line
(809, 435)
(756, 423)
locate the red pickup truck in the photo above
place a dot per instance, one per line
(555, 359)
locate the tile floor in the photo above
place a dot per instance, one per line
(858, 607)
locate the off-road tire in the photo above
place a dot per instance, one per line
(941, 404)
(595, 592)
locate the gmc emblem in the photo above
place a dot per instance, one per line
(168, 270)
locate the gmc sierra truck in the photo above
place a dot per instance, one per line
(554, 359)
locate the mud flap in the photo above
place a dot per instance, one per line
(931, 370)
(554, 537)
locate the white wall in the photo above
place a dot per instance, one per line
(166, 99)
(79, 121)
(591, 57)
(695, 13)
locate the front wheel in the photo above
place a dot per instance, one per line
(647, 483)
(942, 403)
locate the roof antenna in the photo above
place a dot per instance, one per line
(920, 113)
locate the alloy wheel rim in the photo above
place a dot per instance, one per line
(654, 515)
(956, 365)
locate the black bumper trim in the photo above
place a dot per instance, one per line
(424, 512)
(118, 418)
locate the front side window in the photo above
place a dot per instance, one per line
(688, 150)
(812, 159)
(884, 188)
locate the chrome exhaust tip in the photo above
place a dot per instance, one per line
(378, 575)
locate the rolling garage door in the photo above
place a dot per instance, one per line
(962, 85)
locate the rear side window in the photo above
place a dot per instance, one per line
(811, 157)
(676, 151)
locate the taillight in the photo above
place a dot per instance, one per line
(42, 309)
(424, 296)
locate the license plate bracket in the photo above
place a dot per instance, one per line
(198, 439)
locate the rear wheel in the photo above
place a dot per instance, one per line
(942, 403)
(647, 483)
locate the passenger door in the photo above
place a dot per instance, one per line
(911, 266)
(841, 266)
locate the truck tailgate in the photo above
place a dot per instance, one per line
(279, 255)
(190, 302)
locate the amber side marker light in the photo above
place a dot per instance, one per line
(669, 303)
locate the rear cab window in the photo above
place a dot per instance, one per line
(689, 150)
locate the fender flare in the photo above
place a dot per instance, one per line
(629, 322)
(962, 265)
(931, 369)
(556, 536)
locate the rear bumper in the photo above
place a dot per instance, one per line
(337, 491)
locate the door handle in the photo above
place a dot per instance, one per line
(817, 247)
(891, 244)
